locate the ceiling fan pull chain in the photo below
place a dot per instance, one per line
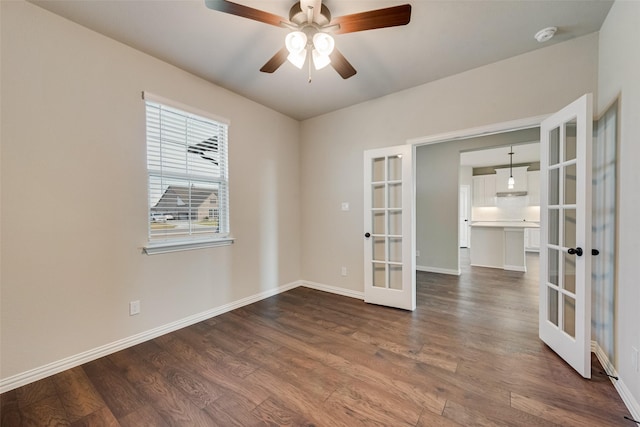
(309, 63)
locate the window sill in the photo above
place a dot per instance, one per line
(154, 248)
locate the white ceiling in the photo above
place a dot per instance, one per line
(522, 153)
(442, 39)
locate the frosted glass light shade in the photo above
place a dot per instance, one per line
(298, 58)
(320, 61)
(295, 41)
(323, 43)
(510, 183)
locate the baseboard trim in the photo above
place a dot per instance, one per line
(450, 271)
(332, 289)
(631, 403)
(515, 268)
(18, 380)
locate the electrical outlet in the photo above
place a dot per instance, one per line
(134, 308)
(343, 271)
(635, 359)
(344, 206)
(417, 253)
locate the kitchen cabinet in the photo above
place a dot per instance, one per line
(533, 190)
(501, 244)
(484, 190)
(519, 176)
(532, 239)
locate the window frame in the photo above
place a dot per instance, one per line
(191, 240)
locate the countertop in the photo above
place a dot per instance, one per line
(506, 224)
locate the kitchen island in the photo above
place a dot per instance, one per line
(499, 244)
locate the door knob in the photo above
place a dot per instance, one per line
(367, 235)
(595, 252)
(576, 251)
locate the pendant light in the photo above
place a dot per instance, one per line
(511, 182)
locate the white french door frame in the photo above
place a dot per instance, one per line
(464, 211)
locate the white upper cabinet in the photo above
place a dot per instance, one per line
(484, 190)
(519, 175)
(533, 183)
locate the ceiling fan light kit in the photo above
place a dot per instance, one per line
(311, 23)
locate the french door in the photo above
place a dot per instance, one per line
(389, 248)
(565, 249)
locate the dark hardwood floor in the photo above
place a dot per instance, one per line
(468, 356)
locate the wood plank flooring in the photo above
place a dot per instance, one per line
(468, 356)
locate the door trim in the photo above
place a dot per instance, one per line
(491, 129)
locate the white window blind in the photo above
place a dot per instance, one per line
(187, 173)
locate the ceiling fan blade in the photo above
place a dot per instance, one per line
(341, 65)
(276, 61)
(245, 12)
(379, 18)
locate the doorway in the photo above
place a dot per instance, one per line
(437, 178)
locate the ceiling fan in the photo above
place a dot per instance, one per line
(311, 27)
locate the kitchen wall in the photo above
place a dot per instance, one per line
(507, 209)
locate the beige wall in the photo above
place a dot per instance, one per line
(331, 161)
(74, 213)
(619, 68)
(72, 155)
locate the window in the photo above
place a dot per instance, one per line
(187, 178)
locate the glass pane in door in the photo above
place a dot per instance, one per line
(395, 223)
(569, 316)
(553, 267)
(395, 277)
(379, 248)
(395, 168)
(570, 140)
(378, 222)
(378, 199)
(569, 272)
(554, 190)
(395, 195)
(554, 146)
(378, 172)
(569, 225)
(395, 249)
(554, 226)
(379, 275)
(570, 184)
(552, 314)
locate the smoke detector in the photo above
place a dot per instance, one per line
(545, 34)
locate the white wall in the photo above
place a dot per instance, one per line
(74, 210)
(619, 68)
(331, 164)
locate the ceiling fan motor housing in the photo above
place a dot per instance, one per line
(299, 16)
